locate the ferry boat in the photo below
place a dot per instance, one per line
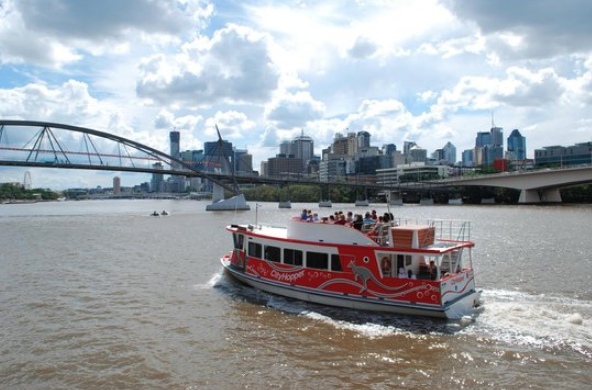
(402, 268)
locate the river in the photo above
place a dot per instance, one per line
(100, 295)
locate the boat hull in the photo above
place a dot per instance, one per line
(452, 310)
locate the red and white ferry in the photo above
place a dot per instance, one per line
(411, 269)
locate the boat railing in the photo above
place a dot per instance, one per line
(445, 229)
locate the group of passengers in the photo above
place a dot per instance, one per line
(370, 222)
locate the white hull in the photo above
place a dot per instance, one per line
(285, 205)
(454, 310)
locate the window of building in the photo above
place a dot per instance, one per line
(273, 253)
(317, 260)
(293, 257)
(255, 250)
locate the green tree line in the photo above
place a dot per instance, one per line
(13, 192)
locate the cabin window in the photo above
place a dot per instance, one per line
(255, 250)
(335, 263)
(404, 261)
(317, 260)
(239, 240)
(292, 256)
(273, 253)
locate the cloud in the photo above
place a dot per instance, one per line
(362, 48)
(235, 66)
(530, 29)
(59, 31)
(233, 125)
(68, 103)
(294, 110)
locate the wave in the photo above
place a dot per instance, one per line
(542, 321)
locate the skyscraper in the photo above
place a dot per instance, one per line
(363, 139)
(116, 185)
(177, 182)
(489, 146)
(516, 146)
(302, 147)
(175, 138)
(449, 151)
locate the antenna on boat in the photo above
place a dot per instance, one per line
(257, 213)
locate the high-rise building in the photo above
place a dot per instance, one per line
(449, 153)
(516, 146)
(177, 183)
(243, 161)
(302, 147)
(408, 145)
(467, 158)
(156, 184)
(116, 185)
(489, 146)
(175, 138)
(417, 154)
(363, 138)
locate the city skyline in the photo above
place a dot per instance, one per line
(425, 71)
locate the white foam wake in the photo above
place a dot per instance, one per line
(543, 321)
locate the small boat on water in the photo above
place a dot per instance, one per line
(401, 268)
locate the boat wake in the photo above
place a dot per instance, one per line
(536, 321)
(210, 283)
(366, 324)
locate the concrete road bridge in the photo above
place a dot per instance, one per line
(535, 186)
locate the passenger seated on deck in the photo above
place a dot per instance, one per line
(304, 215)
(433, 270)
(410, 275)
(358, 222)
(402, 273)
(350, 217)
(340, 220)
(368, 219)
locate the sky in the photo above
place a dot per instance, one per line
(428, 71)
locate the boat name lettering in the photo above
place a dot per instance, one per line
(287, 277)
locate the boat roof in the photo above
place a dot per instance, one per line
(324, 234)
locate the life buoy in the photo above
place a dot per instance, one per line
(385, 265)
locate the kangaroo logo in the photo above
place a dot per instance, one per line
(365, 274)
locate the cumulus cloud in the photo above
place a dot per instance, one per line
(232, 124)
(523, 29)
(69, 103)
(57, 32)
(294, 110)
(235, 66)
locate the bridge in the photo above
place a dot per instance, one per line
(535, 186)
(52, 145)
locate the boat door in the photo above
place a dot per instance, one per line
(238, 252)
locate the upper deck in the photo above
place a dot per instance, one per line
(435, 237)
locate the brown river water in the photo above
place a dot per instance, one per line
(100, 295)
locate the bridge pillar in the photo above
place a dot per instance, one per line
(237, 202)
(394, 198)
(529, 196)
(551, 195)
